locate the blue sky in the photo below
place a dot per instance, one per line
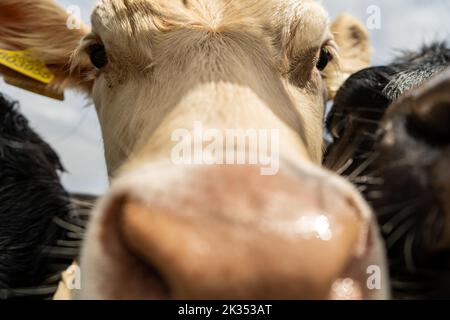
(71, 127)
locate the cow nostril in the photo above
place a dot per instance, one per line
(160, 286)
(431, 123)
(135, 238)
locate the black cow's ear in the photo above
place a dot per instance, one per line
(355, 51)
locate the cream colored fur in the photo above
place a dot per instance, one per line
(258, 70)
(234, 67)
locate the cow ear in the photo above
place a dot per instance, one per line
(355, 51)
(50, 34)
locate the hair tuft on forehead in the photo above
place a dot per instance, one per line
(212, 15)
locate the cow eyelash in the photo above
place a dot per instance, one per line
(325, 58)
(97, 55)
(327, 55)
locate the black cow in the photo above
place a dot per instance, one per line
(391, 126)
(38, 224)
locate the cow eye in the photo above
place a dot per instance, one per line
(324, 58)
(97, 54)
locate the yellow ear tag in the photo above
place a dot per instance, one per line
(27, 64)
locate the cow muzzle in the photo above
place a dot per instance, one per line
(226, 232)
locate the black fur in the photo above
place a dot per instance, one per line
(363, 99)
(31, 197)
(396, 179)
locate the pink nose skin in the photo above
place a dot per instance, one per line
(226, 232)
